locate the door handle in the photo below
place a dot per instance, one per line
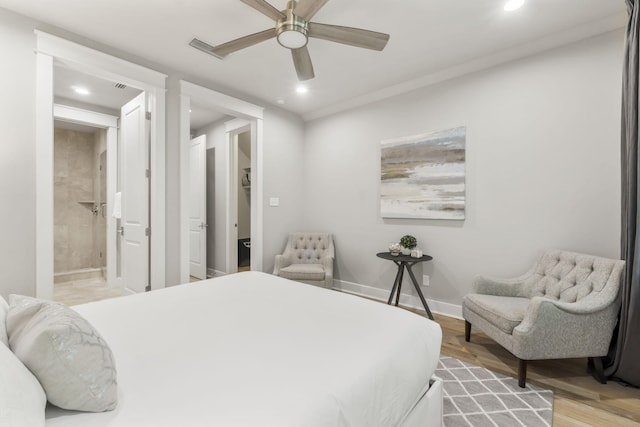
(120, 231)
(203, 225)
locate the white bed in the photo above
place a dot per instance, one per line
(251, 349)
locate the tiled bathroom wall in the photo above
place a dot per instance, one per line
(75, 173)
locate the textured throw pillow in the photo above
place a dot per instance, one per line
(22, 400)
(68, 356)
(4, 307)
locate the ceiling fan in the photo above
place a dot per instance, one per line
(293, 29)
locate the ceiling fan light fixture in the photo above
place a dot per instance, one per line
(292, 39)
(292, 31)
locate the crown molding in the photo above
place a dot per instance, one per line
(573, 35)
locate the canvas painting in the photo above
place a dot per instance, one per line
(423, 176)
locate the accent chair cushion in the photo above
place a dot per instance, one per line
(505, 313)
(22, 400)
(303, 272)
(68, 356)
(4, 308)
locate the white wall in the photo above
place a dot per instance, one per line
(542, 169)
(17, 156)
(172, 178)
(283, 154)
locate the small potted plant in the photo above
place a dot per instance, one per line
(408, 242)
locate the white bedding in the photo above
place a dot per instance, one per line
(252, 349)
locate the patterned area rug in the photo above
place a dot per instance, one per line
(478, 397)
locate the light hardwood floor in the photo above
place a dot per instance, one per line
(579, 400)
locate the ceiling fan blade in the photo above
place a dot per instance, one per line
(302, 62)
(225, 49)
(348, 35)
(205, 47)
(307, 8)
(263, 7)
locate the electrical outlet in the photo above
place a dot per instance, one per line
(425, 280)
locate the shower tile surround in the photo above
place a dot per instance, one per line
(76, 179)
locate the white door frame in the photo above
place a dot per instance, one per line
(110, 124)
(50, 48)
(242, 110)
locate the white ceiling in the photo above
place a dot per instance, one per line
(102, 93)
(427, 37)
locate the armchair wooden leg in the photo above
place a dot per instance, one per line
(467, 331)
(594, 366)
(522, 373)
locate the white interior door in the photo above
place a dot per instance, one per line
(198, 207)
(135, 194)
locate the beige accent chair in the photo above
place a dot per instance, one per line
(307, 258)
(566, 306)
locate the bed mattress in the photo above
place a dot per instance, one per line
(251, 349)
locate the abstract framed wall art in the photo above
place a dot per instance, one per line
(423, 176)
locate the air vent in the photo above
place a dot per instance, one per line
(120, 86)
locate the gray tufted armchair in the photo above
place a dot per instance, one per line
(308, 258)
(566, 306)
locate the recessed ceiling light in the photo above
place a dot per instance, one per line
(302, 89)
(513, 5)
(80, 90)
(190, 110)
(280, 101)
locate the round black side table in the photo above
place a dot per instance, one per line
(405, 261)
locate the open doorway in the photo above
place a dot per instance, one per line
(88, 250)
(80, 214)
(236, 116)
(243, 199)
(147, 112)
(204, 126)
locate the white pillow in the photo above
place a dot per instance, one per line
(22, 400)
(4, 307)
(71, 360)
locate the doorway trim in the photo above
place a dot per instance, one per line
(50, 48)
(247, 112)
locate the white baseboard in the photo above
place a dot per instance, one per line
(217, 273)
(406, 300)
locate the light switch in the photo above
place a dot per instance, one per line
(274, 201)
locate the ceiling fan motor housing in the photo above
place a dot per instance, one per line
(292, 30)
